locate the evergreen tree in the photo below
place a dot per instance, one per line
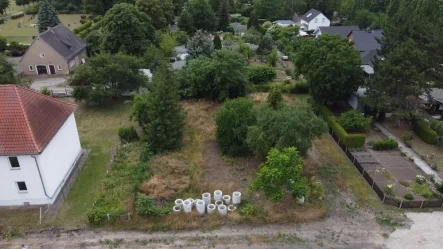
(253, 21)
(217, 42)
(47, 17)
(159, 112)
(200, 45)
(223, 15)
(185, 23)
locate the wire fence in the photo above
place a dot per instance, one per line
(400, 203)
(60, 92)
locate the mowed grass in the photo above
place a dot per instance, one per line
(24, 34)
(98, 128)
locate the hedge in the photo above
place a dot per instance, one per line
(18, 15)
(80, 28)
(97, 18)
(424, 131)
(348, 140)
(261, 74)
(385, 144)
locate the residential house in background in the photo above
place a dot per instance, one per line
(342, 31)
(55, 51)
(313, 19)
(39, 146)
(284, 23)
(366, 42)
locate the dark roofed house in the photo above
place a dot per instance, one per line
(55, 51)
(342, 31)
(366, 42)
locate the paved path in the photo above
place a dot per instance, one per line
(410, 153)
(51, 83)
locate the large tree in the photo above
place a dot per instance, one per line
(223, 15)
(285, 127)
(47, 17)
(4, 4)
(185, 22)
(7, 72)
(331, 65)
(100, 7)
(202, 15)
(93, 41)
(126, 29)
(159, 112)
(106, 76)
(412, 49)
(200, 45)
(161, 12)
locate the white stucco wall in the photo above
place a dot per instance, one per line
(55, 162)
(368, 69)
(58, 156)
(322, 21)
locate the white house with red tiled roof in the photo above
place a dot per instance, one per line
(39, 146)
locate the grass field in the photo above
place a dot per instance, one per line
(24, 34)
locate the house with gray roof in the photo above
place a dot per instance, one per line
(313, 19)
(342, 31)
(56, 51)
(367, 43)
(284, 23)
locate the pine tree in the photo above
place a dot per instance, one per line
(223, 15)
(185, 22)
(217, 42)
(47, 17)
(159, 112)
(253, 21)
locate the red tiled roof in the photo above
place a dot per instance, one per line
(29, 120)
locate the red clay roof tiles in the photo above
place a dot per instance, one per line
(29, 120)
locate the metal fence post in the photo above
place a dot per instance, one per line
(401, 204)
(107, 216)
(421, 206)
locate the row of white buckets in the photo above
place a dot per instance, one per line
(222, 203)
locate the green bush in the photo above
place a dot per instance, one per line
(409, 196)
(385, 144)
(146, 206)
(439, 129)
(31, 10)
(97, 18)
(181, 37)
(440, 188)
(261, 74)
(2, 21)
(45, 91)
(407, 136)
(300, 87)
(424, 131)
(433, 123)
(83, 21)
(127, 134)
(18, 15)
(348, 140)
(86, 24)
(353, 120)
(145, 152)
(83, 17)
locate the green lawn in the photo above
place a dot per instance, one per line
(97, 127)
(24, 34)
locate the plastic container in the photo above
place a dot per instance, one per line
(178, 202)
(187, 206)
(201, 207)
(227, 199)
(217, 195)
(211, 208)
(206, 198)
(177, 209)
(236, 198)
(222, 209)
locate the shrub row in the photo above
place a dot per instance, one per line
(437, 126)
(348, 140)
(18, 15)
(86, 32)
(424, 131)
(385, 144)
(80, 28)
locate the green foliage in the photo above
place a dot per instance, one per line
(217, 42)
(300, 87)
(272, 58)
(223, 15)
(7, 72)
(47, 16)
(185, 22)
(326, 79)
(282, 169)
(31, 10)
(407, 136)
(146, 206)
(424, 131)
(275, 98)
(266, 45)
(45, 91)
(127, 134)
(348, 140)
(180, 37)
(93, 42)
(354, 120)
(159, 112)
(161, 12)
(18, 15)
(167, 44)
(252, 36)
(202, 15)
(106, 76)
(274, 9)
(260, 74)
(82, 27)
(233, 119)
(126, 29)
(248, 210)
(200, 45)
(440, 188)
(285, 127)
(253, 21)
(423, 190)
(409, 196)
(385, 144)
(145, 152)
(222, 77)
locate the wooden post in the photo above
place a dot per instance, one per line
(401, 204)
(107, 216)
(421, 206)
(40, 215)
(384, 196)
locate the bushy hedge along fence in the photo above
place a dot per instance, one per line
(18, 15)
(424, 131)
(349, 140)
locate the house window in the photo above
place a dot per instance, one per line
(72, 64)
(59, 68)
(31, 68)
(22, 187)
(323, 20)
(14, 162)
(316, 20)
(42, 55)
(83, 61)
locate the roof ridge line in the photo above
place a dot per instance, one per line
(26, 117)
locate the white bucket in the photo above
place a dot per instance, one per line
(236, 198)
(218, 203)
(177, 209)
(179, 202)
(301, 200)
(217, 195)
(195, 202)
(231, 208)
(206, 198)
(211, 208)
(227, 199)
(187, 206)
(200, 206)
(222, 209)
